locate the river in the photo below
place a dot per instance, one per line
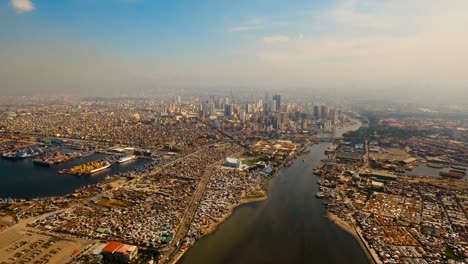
(289, 227)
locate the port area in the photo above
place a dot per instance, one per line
(49, 159)
(97, 166)
(399, 218)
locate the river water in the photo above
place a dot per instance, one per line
(23, 179)
(289, 227)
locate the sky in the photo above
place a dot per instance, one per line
(105, 46)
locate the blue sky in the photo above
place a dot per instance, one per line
(75, 44)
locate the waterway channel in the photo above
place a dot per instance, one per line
(289, 227)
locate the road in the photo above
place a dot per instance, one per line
(184, 225)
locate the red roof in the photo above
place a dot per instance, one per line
(111, 247)
(122, 249)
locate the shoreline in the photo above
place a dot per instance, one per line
(214, 226)
(351, 229)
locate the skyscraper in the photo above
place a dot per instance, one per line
(272, 106)
(324, 112)
(211, 107)
(316, 111)
(334, 116)
(228, 110)
(277, 98)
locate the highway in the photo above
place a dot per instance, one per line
(184, 225)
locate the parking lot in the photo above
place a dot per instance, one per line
(30, 248)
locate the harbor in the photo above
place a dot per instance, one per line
(21, 177)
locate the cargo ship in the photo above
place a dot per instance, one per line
(453, 174)
(24, 153)
(435, 165)
(87, 168)
(458, 168)
(87, 152)
(56, 158)
(126, 158)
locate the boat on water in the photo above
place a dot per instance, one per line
(453, 174)
(458, 168)
(56, 158)
(9, 155)
(43, 162)
(87, 151)
(126, 158)
(320, 195)
(25, 153)
(87, 168)
(435, 165)
(106, 165)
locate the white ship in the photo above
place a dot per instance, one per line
(106, 165)
(126, 158)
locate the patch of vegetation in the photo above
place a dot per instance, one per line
(449, 254)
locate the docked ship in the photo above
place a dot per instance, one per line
(56, 158)
(458, 168)
(435, 165)
(87, 168)
(453, 174)
(25, 153)
(87, 152)
(321, 195)
(125, 158)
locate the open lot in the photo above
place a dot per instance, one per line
(24, 247)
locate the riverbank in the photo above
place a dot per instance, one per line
(373, 258)
(214, 226)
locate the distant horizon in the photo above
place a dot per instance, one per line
(343, 46)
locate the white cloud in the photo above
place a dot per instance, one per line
(252, 24)
(299, 37)
(276, 39)
(22, 6)
(282, 38)
(377, 43)
(244, 28)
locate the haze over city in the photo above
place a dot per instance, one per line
(233, 132)
(117, 47)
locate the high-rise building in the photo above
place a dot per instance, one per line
(272, 106)
(172, 107)
(205, 109)
(212, 109)
(304, 124)
(248, 108)
(277, 98)
(259, 103)
(334, 116)
(316, 111)
(242, 116)
(324, 112)
(228, 110)
(284, 120)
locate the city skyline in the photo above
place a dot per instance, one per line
(76, 47)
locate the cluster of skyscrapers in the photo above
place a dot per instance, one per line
(270, 113)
